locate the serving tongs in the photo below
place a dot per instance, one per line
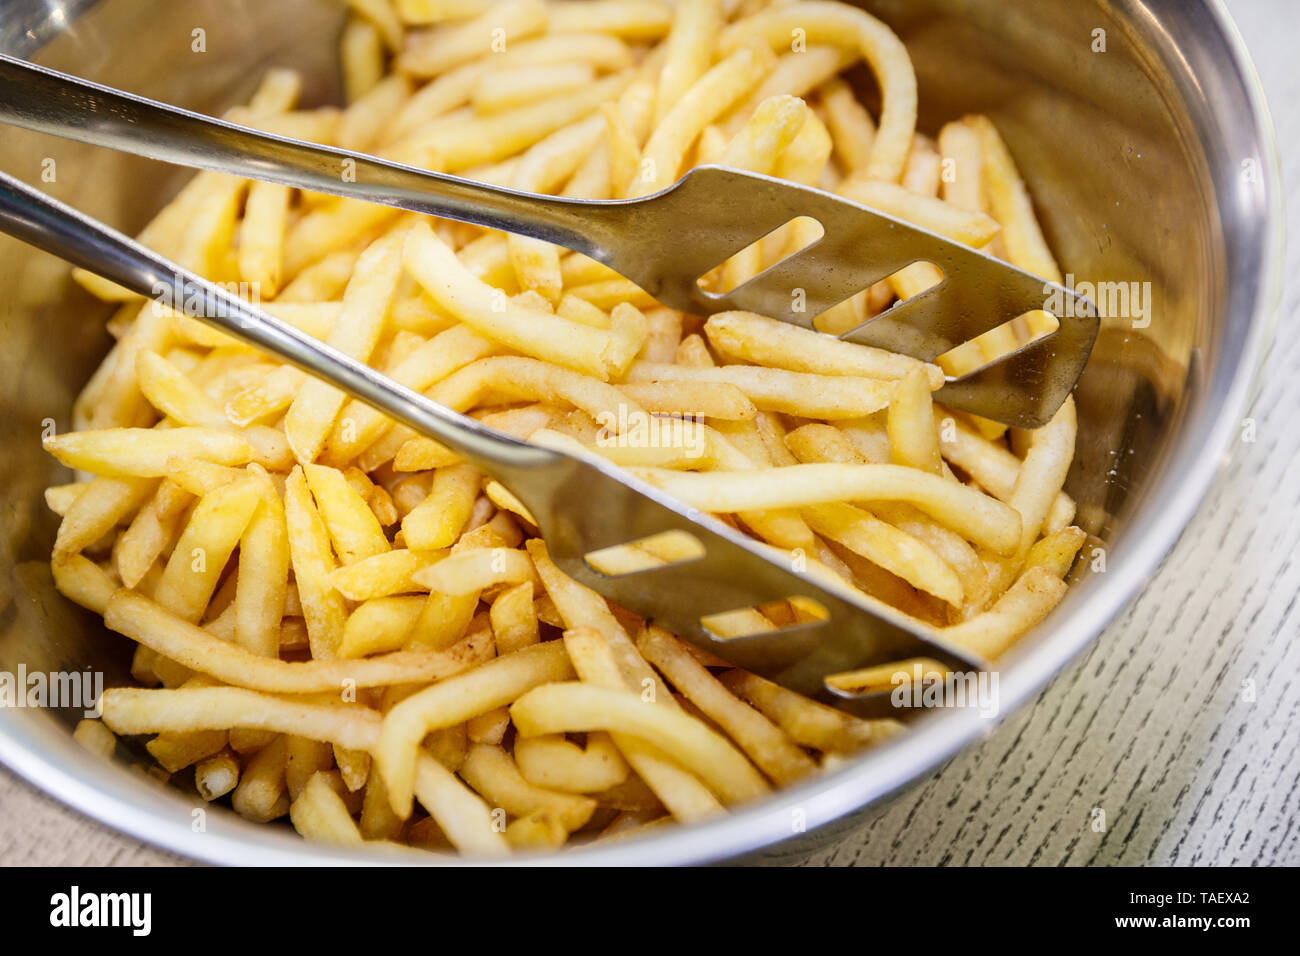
(664, 243)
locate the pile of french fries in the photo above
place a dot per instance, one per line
(337, 620)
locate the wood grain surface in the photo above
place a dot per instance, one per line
(1181, 721)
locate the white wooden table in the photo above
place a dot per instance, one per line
(1151, 725)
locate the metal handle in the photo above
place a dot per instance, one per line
(47, 101)
(35, 218)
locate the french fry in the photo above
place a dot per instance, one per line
(778, 390)
(216, 776)
(912, 438)
(93, 736)
(748, 337)
(352, 526)
(606, 659)
(689, 49)
(145, 452)
(978, 517)
(380, 624)
(152, 625)
(766, 744)
(492, 772)
(318, 813)
(853, 131)
(362, 58)
(843, 25)
(535, 333)
(261, 236)
(211, 536)
(445, 47)
(806, 721)
(439, 520)
(477, 570)
(551, 761)
(1023, 605)
(365, 305)
(493, 684)
(705, 100)
(630, 19)
(581, 707)
(263, 577)
(313, 563)
(383, 574)
(260, 795)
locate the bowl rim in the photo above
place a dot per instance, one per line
(112, 795)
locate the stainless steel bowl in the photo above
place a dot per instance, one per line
(1151, 161)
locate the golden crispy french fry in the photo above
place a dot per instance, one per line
(216, 776)
(97, 510)
(261, 237)
(703, 102)
(260, 795)
(993, 466)
(748, 337)
(442, 48)
(196, 563)
(380, 624)
(912, 438)
(492, 772)
(1056, 551)
(1023, 605)
(780, 390)
(383, 574)
(145, 452)
(352, 526)
(842, 25)
(263, 582)
(152, 625)
(605, 657)
(92, 735)
(319, 814)
(489, 313)
(936, 215)
(439, 520)
(978, 517)
(452, 701)
(151, 531)
(689, 49)
(313, 563)
(853, 131)
(893, 549)
(476, 570)
(631, 19)
(83, 582)
(808, 722)
(362, 58)
(1039, 481)
(365, 306)
(551, 761)
(514, 619)
(767, 745)
(569, 707)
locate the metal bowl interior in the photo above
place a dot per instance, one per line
(1139, 126)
